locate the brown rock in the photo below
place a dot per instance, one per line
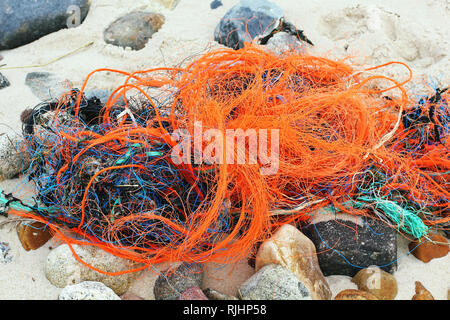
(33, 235)
(291, 249)
(377, 282)
(426, 250)
(352, 294)
(422, 293)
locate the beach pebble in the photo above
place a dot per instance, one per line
(130, 296)
(14, 159)
(133, 30)
(342, 251)
(291, 249)
(168, 4)
(88, 290)
(63, 269)
(377, 282)
(426, 250)
(192, 293)
(170, 284)
(33, 235)
(282, 42)
(352, 294)
(215, 4)
(248, 20)
(25, 21)
(4, 81)
(274, 282)
(212, 294)
(421, 292)
(5, 250)
(46, 85)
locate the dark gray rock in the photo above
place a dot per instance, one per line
(248, 20)
(133, 30)
(3, 81)
(346, 244)
(171, 284)
(274, 282)
(25, 21)
(103, 95)
(215, 4)
(46, 85)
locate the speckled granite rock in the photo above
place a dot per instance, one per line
(25, 21)
(88, 290)
(274, 282)
(62, 269)
(171, 284)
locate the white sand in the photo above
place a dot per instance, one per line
(413, 31)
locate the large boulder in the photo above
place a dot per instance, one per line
(25, 21)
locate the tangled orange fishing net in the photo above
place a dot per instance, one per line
(325, 133)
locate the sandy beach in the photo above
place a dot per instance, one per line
(415, 32)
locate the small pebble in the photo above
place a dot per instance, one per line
(133, 30)
(193, 293)
(33, 235)
(215, 4)
(4, 82)
(377, 282)
(426, 250)
(170, 284)
(421, 292)
(352, 294)
(5, 256)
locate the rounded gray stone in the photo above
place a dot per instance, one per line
(88, 290)
(273, 282)
(133, 30)
(62, 269)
